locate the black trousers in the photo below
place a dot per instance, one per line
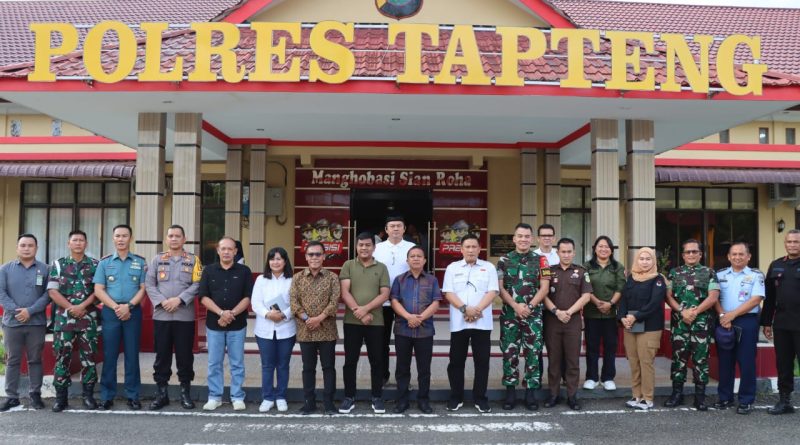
(422, 349)
(787, 350)
(481, 347)
(605, 331)
(177, 336)
(388, 323)
(354, 337)
(326, 351)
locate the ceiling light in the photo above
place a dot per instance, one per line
(395, 119)
(167, 102)
(259, 129)
(528, 132)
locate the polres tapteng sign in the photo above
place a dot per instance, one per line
(271, 39)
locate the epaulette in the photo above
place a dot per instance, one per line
(163, 255)
(137, 256)
(107, 256)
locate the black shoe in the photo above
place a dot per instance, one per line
(36, 401)
(511, 398)
(723, 404)
(161, 399)
(106, 405)
(88, 396)
(330, 409)
(424, 406)
(309, 407)
(401, 407)
(744, 408)
(552, 401)
(134, 404)
(347, 405)
(483, 407)
(573, 403)
(454, 405)
(531, 404)
(61, 400)
(700, 397)
(186, 396)
(377, 405)
(784, 406)
(9, 403)
(676, 398)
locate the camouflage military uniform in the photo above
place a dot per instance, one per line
(73, 279)
(521, 275)
(690, 286)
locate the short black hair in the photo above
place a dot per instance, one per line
(393, 218)
(565, 241)
(177, 226)
(315, 243)
(740, 243)
(363, 236)
(523, 225)
(545, 226)
(692, 241)
(78, 232)
(470, 236)
(287, 267)
(417, 247)
(28, 235)
(122, 226)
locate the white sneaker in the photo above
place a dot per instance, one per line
(282, 405)
(633, 403)
(589, 384)
(238, 405)
(266, 405)
(609, 385)
(211, 405)
(644, 405)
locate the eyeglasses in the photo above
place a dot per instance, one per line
(546, 236)
(314, 254)
(691, 252)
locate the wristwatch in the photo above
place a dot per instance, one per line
(554, 310)
(463, 309)
(304, 316)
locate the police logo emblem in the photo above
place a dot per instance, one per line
(398, 9)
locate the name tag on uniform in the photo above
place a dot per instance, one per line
(39, 279)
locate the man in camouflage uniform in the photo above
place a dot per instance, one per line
(692, 291)
(524, 280)
(70, 287)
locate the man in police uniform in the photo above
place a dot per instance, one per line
(692, 291)
(470, 285)
(70, 287)
(741, 293)
(523, 279)
(172, 282)
(783, 304)
(119, 285)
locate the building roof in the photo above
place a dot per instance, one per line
(778, 27)
(121, 170)
(16, 40)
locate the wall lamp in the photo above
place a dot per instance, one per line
(781, 225)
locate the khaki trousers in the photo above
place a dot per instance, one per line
(641, 349)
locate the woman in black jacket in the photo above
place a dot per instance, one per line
(641, 311)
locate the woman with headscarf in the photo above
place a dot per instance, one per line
(641, 311)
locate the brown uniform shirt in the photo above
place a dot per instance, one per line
(314, 295)
(567, 286)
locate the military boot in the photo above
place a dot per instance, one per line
(186, 396)
(676, 398)
(88, 396)
(511, 398)
(700, 397)
(784, 405)
(161, 399)
(61, 400)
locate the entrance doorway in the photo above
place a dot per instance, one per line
(369, 209)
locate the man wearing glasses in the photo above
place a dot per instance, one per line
(546, 237)
(470, 285)
(692, 291)
(392, 253)
(314, 298)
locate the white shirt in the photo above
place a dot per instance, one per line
(470, 283)
(552, 257)
(264, 291)
(395, 257)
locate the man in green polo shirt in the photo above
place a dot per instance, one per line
(365, 286)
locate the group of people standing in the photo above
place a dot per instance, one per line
(386, 290)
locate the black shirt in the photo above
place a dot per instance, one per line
(647, 298)
(783, 295)
(226, 288)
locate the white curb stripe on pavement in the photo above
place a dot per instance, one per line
(387, 428)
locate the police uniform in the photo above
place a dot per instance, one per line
(73, 280)
(782, 312)
(736, 288)
(122, 280)
(167, 277)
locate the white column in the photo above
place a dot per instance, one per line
(258, 175)
(605, 178)
(233, 192)
(641, 186)
(528, 168)
(149, 187)
(186, 177)
(552, 194)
